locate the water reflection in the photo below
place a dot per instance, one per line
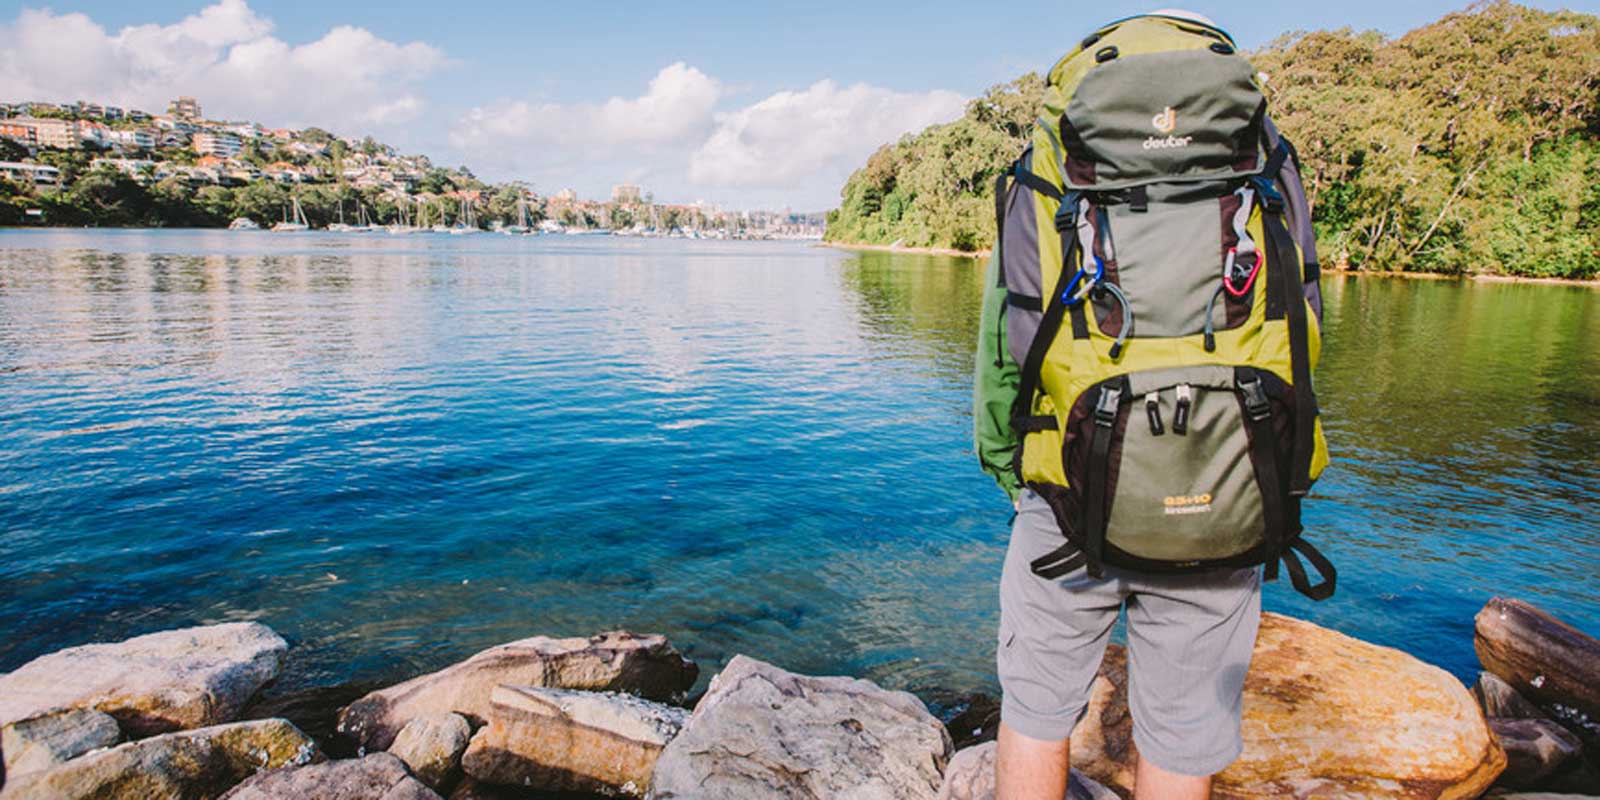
(398, 451)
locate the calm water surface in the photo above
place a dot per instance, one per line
(399, 450)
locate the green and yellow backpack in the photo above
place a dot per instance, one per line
(1163, 305)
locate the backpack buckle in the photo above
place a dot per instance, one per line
(1256, 405)
(1105, 409)
(1067, 214)
(1271, 198)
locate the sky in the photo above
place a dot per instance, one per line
(742, 104)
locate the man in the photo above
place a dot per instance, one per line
(1190, 634)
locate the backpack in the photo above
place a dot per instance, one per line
(1162, 302)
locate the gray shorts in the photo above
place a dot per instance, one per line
(1190, 638)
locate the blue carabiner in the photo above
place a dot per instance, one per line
(1073, 295)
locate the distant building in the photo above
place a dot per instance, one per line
(24, 134)
(185, 108)
(40, 174)
(626, 193)
(44, 132)
(565, 196)
(226, 145)
(133, 138)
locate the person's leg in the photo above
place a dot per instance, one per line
(1190, 640)
(1053, 634)
(1154, 783)
(1029, 769)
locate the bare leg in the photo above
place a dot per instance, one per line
(1029, 769)
(1155, 783)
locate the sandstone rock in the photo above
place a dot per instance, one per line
(564, 740)
(970, 776)
(641, 664)
(197, 763)
(53, 737)
(764, 732)
(1499, 699)
(431, 746)
(1325, 715)
(1535, 749)
(379, 776)
(158, 682)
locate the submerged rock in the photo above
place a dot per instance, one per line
(1325, 715)
(1536, 749)
(54, 737)
(197, 763)
(640, 664)
(763, 732)
(379, 776)
(431, 746)
(159, 682)
(563, 740)
(970, 776)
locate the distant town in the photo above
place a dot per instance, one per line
(88, 163)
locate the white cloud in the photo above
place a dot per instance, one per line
(349, 80)
(675, 108)
(816, 135)
(794, 146)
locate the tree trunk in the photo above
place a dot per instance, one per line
(1547, 660)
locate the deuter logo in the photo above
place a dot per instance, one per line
(1166, 122)
(1188, 504)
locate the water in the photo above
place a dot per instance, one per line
(399, 450)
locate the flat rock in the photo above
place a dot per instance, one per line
(1325, 715)
(55, 737)
(566, 740)
(618, 661)
(970, 776)
(379, 776)
(431, 746)
(763, 732)
(188, 764)
(1500, 699)
(1536, 750)
(159, 682)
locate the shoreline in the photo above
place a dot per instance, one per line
(1586, 283)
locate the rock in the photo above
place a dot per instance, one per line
(764, 732)
(970, 776)
(1535, 750)
(564, 740)
(1499, 699)
(196, 763)
(159, 682)
(54, 737)
(379, 776)
(1547, 660)
(431, 746)
(645, 665)
(1325, 715)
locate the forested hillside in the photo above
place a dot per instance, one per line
(1471, 145)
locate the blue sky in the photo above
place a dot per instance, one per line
(753, 104)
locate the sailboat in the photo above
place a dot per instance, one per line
(340, 227)
(297, 224)
(522, 218)
(364, 223)
(402, 225)
(468, 222)
(440, 227)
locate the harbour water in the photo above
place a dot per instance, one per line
(399, 450)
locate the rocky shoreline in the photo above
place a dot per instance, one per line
(171, 715)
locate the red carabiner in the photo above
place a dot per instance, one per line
(1227, 270)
